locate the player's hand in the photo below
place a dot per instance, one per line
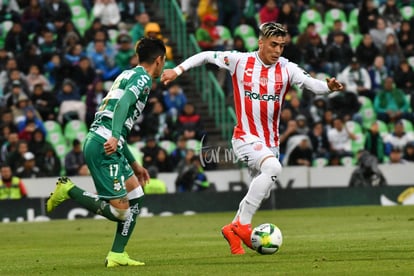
(168, 76)
(334, 85)
(111, 145)
(142, 175)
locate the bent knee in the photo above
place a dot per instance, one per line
(121, 214)
(271, 166)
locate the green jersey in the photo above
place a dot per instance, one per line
(122, 106)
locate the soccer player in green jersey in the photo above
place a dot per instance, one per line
(117, 176)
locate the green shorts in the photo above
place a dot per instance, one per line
(109, 172)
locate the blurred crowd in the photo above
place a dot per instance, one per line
(58, 60)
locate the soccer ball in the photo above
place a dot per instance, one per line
(266, 238)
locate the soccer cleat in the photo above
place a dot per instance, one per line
(63, 185)
(120, 259)
(244, 231)
(233, 240)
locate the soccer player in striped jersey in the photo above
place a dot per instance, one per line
(117, 176)
(261, 80)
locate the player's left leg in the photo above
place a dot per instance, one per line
(118, 256)
(263, 159)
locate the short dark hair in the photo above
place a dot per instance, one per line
(270, 29)
(148, 49)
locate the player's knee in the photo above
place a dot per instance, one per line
(121, 214)
(271, 166)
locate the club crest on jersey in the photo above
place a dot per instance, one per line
(147, 90)
(263, 81)
(278, 87)
(226, 60)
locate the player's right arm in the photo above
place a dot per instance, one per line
(223, 59)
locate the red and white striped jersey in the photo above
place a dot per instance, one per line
(259, 90)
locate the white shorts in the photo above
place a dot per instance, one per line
(252, 150)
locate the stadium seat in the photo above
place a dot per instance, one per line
(224, 32)
(367, 112)
(407, 12)
(139, 145)
(195, 145)
(74, 2)
(408, 126)
(356, 129)
(320, 162)
(355, 39)
(347, 161)
(80, 18)
(75, 129)
(353, 26)
(168, 145)
(310, 15)
(138, 155)
(332, 15)
(383, 128)
(248, 34)
(54, 133)
(5, 26)
(411, 61)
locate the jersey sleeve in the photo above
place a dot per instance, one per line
(121, 111)
(223, 59)
(302, 79)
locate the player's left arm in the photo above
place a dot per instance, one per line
(302, 78)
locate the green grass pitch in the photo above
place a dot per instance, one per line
(322, 241)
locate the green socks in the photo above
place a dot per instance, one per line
(125, 228)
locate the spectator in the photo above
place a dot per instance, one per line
(44, 102)
(240, 46)
(269, 12)
(38, 145)
(207, 34)
(16, 77)
(338, 54)
(289, 131)
(396, 157)
(94, 97)
(150, 151)
(338, 28)
(48, 46)
(74, 160)
(390, 103)
(408, 153)
(229, 13)
(291, 50)
(9, 146)
(319, 141)
(404, 78)
(366, 51)
(96, 26)
(108, 12)
(391, 14)
(180, 151)
(314, 57)
(129, 8)
(155, 185)
(50, 164)
(70, 104)
(16, 39)
(11, 187)
(83, 74)
(367, 174)
(36, 77)
(398, 139)
(205, 7)
(405, 37)
(32, 17)
(305, 37)
(55, 10)
(73, 54)
(367, 16)
(29, 123)
(302, 124)
(299, 151)
(103, 59)
(137, 31)
(163, 161)
(29, 168)
(380, 33)
(29, 57)
(392, 53)
(16, 95)
(174, 99)
(11, 64)
(16, 158)
(190, 124)
(187, 172)
(289, 17)
(374, 143)
(158, 123)
(318, 108)
(56, 71)
(125, 51)
(378, 72)
(340, 139)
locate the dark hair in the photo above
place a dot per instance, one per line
(148, 49)
(270, 29)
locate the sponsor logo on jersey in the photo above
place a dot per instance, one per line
(226, 60)
(261, 97)
(248, 72)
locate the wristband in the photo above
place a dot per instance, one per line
(178, 70)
